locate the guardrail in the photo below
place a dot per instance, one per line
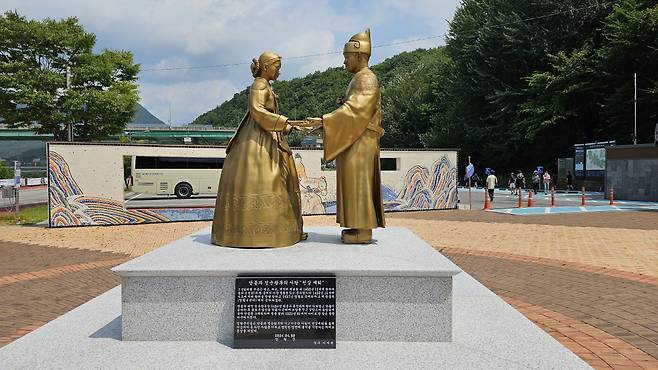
(26, 181)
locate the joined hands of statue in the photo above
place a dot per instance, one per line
(309, 122)
(314, 125)
(304, 126)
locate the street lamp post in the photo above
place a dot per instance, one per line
(635, 110)
(17, 186)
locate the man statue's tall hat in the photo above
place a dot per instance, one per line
(359, 43)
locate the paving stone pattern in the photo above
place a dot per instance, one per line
(626, 310)
(590, 281)
(21, 257)
(48, 282)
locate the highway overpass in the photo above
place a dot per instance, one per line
(173, 135)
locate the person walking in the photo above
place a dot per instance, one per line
(519, 183)
(569, 181)
(511, 183)
(492, 181)
(547, 182)
(536, 181)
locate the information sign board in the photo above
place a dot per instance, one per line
(285, 312)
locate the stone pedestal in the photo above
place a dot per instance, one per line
(398, 289)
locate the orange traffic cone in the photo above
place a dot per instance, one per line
(552, 197)
(582, 198)
(487, 202)
(520, 198)
(530, 202)
(612, 196)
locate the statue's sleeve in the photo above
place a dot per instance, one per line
(342, 127)
(267, 120)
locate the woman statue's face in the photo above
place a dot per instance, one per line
(273, 71)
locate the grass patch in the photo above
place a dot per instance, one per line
(27, 216)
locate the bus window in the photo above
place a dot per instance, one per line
(145, 162)
(205, 163)
(172, 163)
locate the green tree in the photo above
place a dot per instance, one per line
(495, 45)
(630, 46)
(559, 110)
(6, 172)
(295, 139)
(587, 95)
(34, 56)
(412, 83)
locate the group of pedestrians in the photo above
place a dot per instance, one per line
(517, 183)
(537, 180)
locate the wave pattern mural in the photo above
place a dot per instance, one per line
(70, 207)
(428, 189)
(431, 183)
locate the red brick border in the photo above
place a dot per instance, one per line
(56, 271)
(598, 348)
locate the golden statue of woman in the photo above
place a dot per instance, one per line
(351, 136)
(258, 201)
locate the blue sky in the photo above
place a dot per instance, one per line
(168, 33)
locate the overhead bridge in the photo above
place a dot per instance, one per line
(11, 134)
(201, 135)
(182, 135)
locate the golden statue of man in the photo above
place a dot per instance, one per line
(351, 137)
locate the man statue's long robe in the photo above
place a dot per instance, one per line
(351, 137)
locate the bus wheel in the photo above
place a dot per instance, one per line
(183, 190)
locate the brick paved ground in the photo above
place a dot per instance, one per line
(38, 284)
(589, 280)
(624, 309)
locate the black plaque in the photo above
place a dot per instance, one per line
(285, 312)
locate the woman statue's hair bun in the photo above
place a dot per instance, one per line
(255, 67)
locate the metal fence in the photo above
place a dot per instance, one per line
(7, 198)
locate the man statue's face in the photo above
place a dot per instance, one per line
(351, 62)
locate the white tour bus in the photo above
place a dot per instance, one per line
(180, 176)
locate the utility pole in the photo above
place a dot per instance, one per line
(170, 115)
(635, 110)
(68, 86)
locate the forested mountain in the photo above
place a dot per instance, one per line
(517, 85)
(406, 82)
(145, 118)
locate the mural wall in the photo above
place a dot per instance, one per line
(110, 184)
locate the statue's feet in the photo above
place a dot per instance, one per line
(304, 236)
(356, 236)
(346, 232)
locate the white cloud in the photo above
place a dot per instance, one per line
(170, 33)
(187, 99)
